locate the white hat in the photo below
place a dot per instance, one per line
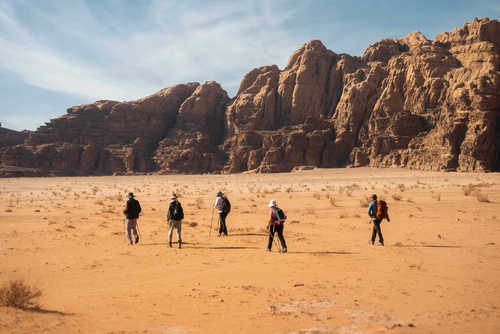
(272, 203)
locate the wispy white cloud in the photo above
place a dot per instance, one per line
(182, 42)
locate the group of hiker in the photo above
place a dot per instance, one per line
(377, 211)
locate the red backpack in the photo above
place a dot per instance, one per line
(381, 210)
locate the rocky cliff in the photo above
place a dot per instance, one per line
(408, 102)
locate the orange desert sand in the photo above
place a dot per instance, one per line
(439, 271)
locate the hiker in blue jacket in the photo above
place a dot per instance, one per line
(376, 218)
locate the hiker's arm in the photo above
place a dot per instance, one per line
(387, 216)
(370, 209)
(126, 209)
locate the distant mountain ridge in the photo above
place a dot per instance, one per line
(409, 102)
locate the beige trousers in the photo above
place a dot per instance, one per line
(178, 227)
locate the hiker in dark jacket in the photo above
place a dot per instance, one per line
(275, 226)
(174, 217)
(223, 206)
(372, 212)
(132, 211)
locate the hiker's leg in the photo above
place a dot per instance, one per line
(220, 223)
(380, 237)
(129, 230)
(223, 223)
(279, 229)
(374, 232)
(170, 228)
(134, 227)
(271, 237)
(178, 228)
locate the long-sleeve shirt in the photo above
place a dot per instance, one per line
(219, 205)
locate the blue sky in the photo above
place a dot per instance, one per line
(55, 54)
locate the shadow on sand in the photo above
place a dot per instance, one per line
(45, 311)
(426, 246)
(322, 253)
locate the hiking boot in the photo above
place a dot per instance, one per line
(268, 249)
(371, 242)
(180, 244)
(170, 244)
(284, 250)
(380, 243)
(137, 239)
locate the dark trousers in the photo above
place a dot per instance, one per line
(377, 230)
(276, 229)
(222, 223)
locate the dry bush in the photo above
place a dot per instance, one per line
(199, 203)
(396, 197)
(288, 189)
(294, 222)
(468, 189)
(401, 187)
(19, 295)
(482, 197)
(437, 197)
(332, 200)
(364, 202)
(317, 196)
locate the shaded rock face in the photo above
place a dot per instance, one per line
(410, 102)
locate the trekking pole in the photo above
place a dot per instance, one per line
(211, 221)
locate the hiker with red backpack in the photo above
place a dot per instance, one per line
(377, 210)
(275, 225)
(222, 205)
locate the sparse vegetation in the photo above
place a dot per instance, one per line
(19, 295)
(396, 197)
(317, 196)
(482, 197)
(364, 202)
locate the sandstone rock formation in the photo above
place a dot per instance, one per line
(408, 102)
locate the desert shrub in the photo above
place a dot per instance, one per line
(482, 197)
(317, 196)
(332, 200)
(396, 197)
(19, 295)
(199, 203)
(364, 202)
(468, 189)
(437, 197)
(401, 187)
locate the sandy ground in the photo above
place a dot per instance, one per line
(439, 271)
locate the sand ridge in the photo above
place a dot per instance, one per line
(439, 271)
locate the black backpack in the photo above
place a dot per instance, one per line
(281, 215)
(177, 213)
(226, 205)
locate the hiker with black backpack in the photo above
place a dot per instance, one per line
(223, 206)
(377, 210)
(174, 217)
(132, 210)
(275, 225)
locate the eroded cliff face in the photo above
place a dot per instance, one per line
(409, 102)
